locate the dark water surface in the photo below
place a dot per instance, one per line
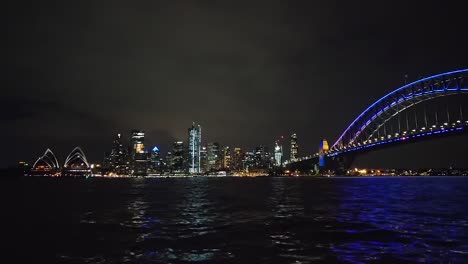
(237, 220)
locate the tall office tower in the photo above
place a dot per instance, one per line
(278, 154)
(262, 157)
(118, 156)
(178, 157)
(203, 159)
(194, 148)
(155, 160)
(226, 158)
(168, 162)
(236, 163)
(249, 161)
(140, 157)
(294, 148)
(214, 157)
(138, 142)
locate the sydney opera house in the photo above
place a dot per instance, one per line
(75, 164)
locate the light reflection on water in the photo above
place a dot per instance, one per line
(245, 220)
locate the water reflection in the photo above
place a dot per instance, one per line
(188, 226)
(393, 218)
(287, 206)
(248, 220)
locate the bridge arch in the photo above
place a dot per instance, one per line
(397, 101)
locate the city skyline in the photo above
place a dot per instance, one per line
(248, 73)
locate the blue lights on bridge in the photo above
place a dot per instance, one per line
(401, 99)
(394, 140)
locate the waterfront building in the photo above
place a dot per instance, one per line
(214, 156)
(46, 165)
(236, 162)
(168, 162)
(194, 148)
(278, 154)
(226, 159)
(138, 141)
(178, 158)
(294, 148)
(249, 161)
(156, 163)
(76, 164)
(139, 155)
(204, 159)
(117, 159)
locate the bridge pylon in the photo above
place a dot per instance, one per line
(322, 154)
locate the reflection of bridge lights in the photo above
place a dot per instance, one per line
(423, 128)
(458, 121)
(414, 130)
(445, 124)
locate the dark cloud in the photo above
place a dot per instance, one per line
(248, 71)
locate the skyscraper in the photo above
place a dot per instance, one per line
(294, 148)
(278, 154)
(226, 158)
(214, 157)
(140, 159)
(194, 147)
(237, 157)
(155, 161)
(203, 159)
(178, 160)
(138, 142)
(118, 156)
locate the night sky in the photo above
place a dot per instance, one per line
(78, 72)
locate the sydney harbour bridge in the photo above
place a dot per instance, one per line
(426, 109)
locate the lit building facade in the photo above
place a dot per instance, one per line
(194, 148)
(278, 154)
(294, 148)
(140, 157)
(118, 158)
(214, 156)
(156, 163)
(178, 158)
(204, 159)
(237, 157)
(138, 142)
(226, 158)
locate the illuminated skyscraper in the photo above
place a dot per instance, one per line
(237, 157)
(118, 156)
(226, 158)
(203, 159)
(138, 142)
(278, 154)
(214, 157)
(140, 157)
(294, 147)
(178, 160)
(194, 147)
(155, 160)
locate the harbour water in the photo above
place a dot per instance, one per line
(237, 220)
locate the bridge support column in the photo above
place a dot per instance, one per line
(340, 164)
